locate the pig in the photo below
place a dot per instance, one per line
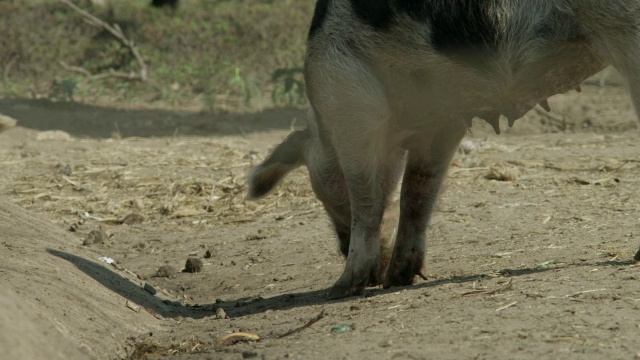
(160, 3)
(393, 86)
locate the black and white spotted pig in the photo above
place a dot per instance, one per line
(394, 84)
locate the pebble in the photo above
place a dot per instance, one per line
(150, 289)
(249, 354)
(220, 313)
(340, 329)
(283, 278)
(132, 219)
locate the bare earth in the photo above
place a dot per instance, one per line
(536, 267)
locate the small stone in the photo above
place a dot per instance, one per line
(249, 354)
(66, 170)
(219, 301)
(132, 219)
(467, 146)
(386, 343)
(252, 155)
(166, 271)
(193, 265)
(283, 278)
(340, 329)
(150, 289)
(133, 306)
(138, 204)
(220, 313)
(207, 254)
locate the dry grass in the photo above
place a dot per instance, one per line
(213, 55)
(176, 181)
(150, 348)
(502, 172)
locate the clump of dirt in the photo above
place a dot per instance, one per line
(133, 219)
(502, 172)
(96, 237)
(193, 265)
(166, 271)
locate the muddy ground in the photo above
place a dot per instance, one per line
(538, 265)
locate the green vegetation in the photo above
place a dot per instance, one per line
(208, 55)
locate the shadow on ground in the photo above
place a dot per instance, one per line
(82, 120)
(249, 306)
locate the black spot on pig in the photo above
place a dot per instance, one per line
(466, 31)
(319, 14)
(375, 13)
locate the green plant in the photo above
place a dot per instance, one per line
(62, 90)
(210, 48)
(244, 86)
(288, 87)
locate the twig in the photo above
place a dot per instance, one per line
(584, 292)
(110, 73)
(491, 292)
(454, 171)
(116, 31)
(211, 198)
(7, 68)
(506, 306)
(624, 162)
(299, 329)
(78, 69)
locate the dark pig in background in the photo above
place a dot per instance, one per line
(169, 3)
(394, 85)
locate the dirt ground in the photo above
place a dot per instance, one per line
(534, 265)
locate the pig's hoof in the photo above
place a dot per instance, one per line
(403, 278)
(399, 279)
(339, 292)
(350, 284)
(404, 274)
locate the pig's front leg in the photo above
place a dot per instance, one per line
(427, 163)
(370, 176)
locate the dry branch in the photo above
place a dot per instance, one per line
(110, 73)
(508, 286)
(116, 31)
(298, 329)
